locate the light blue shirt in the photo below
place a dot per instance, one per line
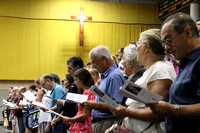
(111, 80)
(57, 92)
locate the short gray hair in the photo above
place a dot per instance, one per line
(101, 51)
(130, 53)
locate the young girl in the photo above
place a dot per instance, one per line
(81, 123)
(95, 76)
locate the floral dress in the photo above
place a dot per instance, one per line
(84, 126)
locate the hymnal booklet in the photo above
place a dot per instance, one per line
(40, 105)
(138, 93)
(103, 96)
(76, 98)
(9, 104)
(29, 96)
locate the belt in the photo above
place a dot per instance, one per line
(100, 119)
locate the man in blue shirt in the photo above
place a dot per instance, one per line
(180, 36)
(111, 80)
(57, 91)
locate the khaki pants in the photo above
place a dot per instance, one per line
(101, 126)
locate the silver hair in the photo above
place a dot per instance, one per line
(100, 51)
(130, 53)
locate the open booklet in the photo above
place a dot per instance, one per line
(53, 112)
(40, 105)
(138, 93)
(73, 97)
(103, 96)
(76, 98)
(29, 96)
(9, 104)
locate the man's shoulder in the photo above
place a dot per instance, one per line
(116, 71)
(73, 88)
(193, 55)
(59, 87)
(116, 74)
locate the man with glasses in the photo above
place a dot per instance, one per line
(180, 36)
(57, 91)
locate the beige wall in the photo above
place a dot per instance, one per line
(5, 84)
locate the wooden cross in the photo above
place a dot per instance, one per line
(81, 18)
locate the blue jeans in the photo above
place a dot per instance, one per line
(24, 119)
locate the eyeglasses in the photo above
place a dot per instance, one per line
(44, 83)
(170, 40)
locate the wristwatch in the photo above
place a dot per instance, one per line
(176, 110)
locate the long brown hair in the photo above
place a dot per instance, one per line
(84, 75)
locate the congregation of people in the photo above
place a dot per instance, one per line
(164, 61)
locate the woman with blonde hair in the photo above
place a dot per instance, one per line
(95, 76)
(157, 78)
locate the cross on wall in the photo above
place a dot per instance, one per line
(81, 18)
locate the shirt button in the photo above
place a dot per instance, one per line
(181, 70)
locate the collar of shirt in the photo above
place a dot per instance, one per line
(192, 55)
(107, 72)
(54, 87)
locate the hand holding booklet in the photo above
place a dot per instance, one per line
(104, 97)
(9, 104)
(139, 93)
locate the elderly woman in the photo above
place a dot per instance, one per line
(132, 68)
(157, 78)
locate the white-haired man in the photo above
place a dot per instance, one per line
(111, 80)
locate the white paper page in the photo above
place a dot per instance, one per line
(29, 96)
(4, 101)
(78, 98)
(38, 104)
(138, 93)
(11, 105)
(8, 104)
(104, 97)
(52, 112)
